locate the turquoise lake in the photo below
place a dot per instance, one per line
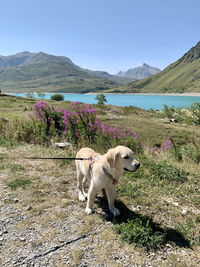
(155, 102)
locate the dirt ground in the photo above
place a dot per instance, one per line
(42, 223)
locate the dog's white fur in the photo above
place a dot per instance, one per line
(114, 161)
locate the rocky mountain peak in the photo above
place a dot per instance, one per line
(139, 72)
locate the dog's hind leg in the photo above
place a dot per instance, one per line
(81, 195)
(84, 186)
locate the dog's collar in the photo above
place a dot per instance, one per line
(115, 181)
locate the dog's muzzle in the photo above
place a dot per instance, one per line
(137, 165)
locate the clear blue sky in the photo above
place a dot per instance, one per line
(108, 35)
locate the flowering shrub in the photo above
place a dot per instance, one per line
(184, 149)
(77, 123)
(47, 120)
(165, 146)
(80, 126)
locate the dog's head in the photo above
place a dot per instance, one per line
(122, 158)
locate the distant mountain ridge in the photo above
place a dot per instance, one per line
(116, 78)
(26, 71)
(140, 72)
(181, 76)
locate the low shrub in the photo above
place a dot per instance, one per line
(195, 111)
(142, 232)
(192, 153)
(189, 115)
(177, 148)
(168, 111)
(57, 97)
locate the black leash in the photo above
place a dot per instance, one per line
(36, 158)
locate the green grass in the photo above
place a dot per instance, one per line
(6, 142)
(148, 125)
(19, 183)
(162, 187)
(4, 164)
(150, 187)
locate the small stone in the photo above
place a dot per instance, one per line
(184, 211)
(175, 204)
(63, 145)
(61, 239)
(27, 208)
(183, 252)
(137, 208)
(22, 239)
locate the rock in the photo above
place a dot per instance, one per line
(62, 145)
(137, 208)
(27, 208)
(22, 239)
(175, 204)
(184, 211)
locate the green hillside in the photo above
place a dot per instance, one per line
(27, 72)
(181, 76)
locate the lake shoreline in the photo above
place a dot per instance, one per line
(140, 100)
(159, 94)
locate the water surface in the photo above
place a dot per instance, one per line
(155, 102)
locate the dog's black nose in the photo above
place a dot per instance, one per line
(137, 165)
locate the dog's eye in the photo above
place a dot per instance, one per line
(126, 157)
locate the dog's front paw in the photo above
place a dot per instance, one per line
(115, 212)
(81, 198)
(85, 195)
(88, 211)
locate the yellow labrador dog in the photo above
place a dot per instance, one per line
(103, 172)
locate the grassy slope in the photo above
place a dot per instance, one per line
(181, 76)
(51, 194)
(147, 124)
(173, 79)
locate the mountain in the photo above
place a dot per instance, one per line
(140, 72)
(181, 76)
(15, 60)
(28, 72)
(116, 78)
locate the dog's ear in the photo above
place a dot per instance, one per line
(112, 157)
